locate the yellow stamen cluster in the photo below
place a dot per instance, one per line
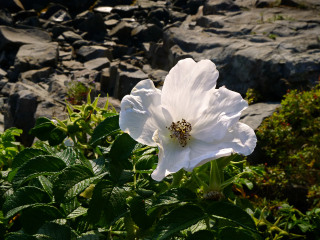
(180, 131)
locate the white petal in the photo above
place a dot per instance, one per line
(141, 112)
(239, 138)
(187, 89)
(224, 111)
(172, 157)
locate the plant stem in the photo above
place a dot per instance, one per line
(177, 178)
(214, 180)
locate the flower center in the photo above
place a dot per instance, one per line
(180, 131)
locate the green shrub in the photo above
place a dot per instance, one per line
(291, 139)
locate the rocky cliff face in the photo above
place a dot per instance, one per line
(268, 45)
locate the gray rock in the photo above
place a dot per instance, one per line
(71, 36)
(113, 103)
(265, 3)
(22, 106)
(111, 23)
(122, 30)
(57, 86)
(3, 82)
(93, 52)
(1, 122)
(215, 6)
(210, 21)
(161, 14)
(5, 90)
(2, 73)
(5, 18)
(108, 79)
(94, 26)
(177, 16)
(244, 52)
(73, 65)
(125, 11)
(78, 44)
(158, 76)
(36, 56)
(37, 75)
(60, 16)
(97, 64)
(147, 33)
(126, 80)
(12, 37)
(256, 113)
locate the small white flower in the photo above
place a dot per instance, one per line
(190, 120)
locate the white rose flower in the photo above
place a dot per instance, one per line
(190, 120)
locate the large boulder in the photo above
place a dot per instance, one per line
(271, 57)
(21, 110)
(92, 52)
(14, 38)
(36, 56)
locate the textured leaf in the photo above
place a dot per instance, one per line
(41, 165)
(46, 185)
(203, 235)
(23, 198)
(178, 219)
(120, 151)
(122, 147)
(174, 196)
(98, 165)
(228, 233)
(35, 216)
(57, 231)
(89, 237)
(72, 181)
(45, 130)
(69, 156)
(108, 203)
(107, 127)
(19, 236)
(25, 155)
(139, 214)
(231, 213)
(78, 212)
(146, 162)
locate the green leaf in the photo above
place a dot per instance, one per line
(25, 155)
(35, 216)
(108, 203)
(178, 219)
(23, 198)
(78, 212)
(139, 214)
(91, 236)
(202, 234)
(41, 165)
(174, 196)
(228, 233)
(69, 156)
(57, 231)
(146, 162)
(45, 130)
(19, 236)
(232, 213)
(46, 185)
(122, 147)
(120, 151)
(107, 127)
(72, 181)
(98, 165)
